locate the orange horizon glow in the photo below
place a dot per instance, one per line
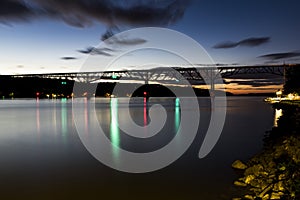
(235, 88)
(246, 89)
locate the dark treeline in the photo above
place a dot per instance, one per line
(31, 87)
(292, 83)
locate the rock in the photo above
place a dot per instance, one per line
(240, 184)
(260, 183)
(278, 186)
(255, 170)
(282, 168)
(272, 174)
(266, 197)
(255, 190)
(249, 178)
(266, 190)
(239, 165)
(281, 177)
(275, 196)
(247, 196)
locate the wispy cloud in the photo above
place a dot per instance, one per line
(272, 62)
(249, 42)
(97, 51)
(110, 38)
(127, 41)
(282, 55)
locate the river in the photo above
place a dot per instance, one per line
(42, 156)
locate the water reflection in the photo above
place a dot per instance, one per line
(177, 114)
(146, 112)
(54, 119)
(86, 117)
(38, 124)
(114, 128)
(64, 119)
(31, 164)
(278, 114)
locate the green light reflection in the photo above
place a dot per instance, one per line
(114, 128)
(177, 114)
(64, 120)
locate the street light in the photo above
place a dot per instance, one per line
(279, 93)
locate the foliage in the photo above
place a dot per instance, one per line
(292, 83)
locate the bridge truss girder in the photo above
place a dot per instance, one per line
(167, 74)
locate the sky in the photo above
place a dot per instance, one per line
(44, 36)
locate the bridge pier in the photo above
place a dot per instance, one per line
(212, 83)
(146, 92)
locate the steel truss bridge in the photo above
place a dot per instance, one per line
(177, 75)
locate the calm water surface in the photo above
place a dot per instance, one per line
(42, 157)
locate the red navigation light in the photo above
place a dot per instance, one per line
(145, 93)
(37, 94)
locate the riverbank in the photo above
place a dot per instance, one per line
(274, 173)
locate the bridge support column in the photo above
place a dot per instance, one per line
(212, 83)
(284, 75)
(212, 90)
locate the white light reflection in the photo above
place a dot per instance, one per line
(278, 114)
(38, 124)
(86, 117)
(64, 119)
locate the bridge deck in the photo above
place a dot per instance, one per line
(168, 74)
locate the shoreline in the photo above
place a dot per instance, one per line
(274, 173)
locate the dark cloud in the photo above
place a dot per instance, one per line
(252, 42)
(226, 45)
(82, 13)
(97, 51)
(249, 42)
(257, 82)
(278, 56)
(109, 33)
(254, 76)
(14, 11)
(68, 58)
